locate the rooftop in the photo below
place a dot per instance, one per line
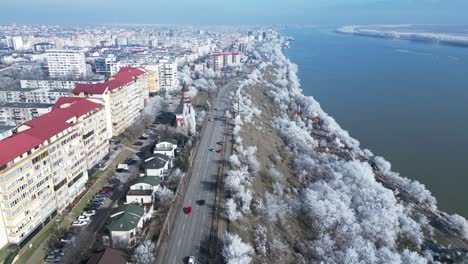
(159, 161)
(153, 181)
(40, 129)
(125, 217)
(123, 77)
(24, 105)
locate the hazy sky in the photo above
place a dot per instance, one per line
(309, 12)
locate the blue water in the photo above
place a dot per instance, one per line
(403, 100)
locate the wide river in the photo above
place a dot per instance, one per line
(405, 101)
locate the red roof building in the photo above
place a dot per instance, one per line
(123, 77)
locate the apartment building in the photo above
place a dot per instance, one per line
(153, 78)
(41, 96)
(223, 59)
(124, 96)
(108, 65)
(66, 63)
(12, 114)
(43, 166)
(167, 74)
(54, 84)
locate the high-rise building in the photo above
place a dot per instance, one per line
(15, 42)
(43, 166)
(167, 74)
(124, 96)
(153, 78)
(108, 65)
(66, 63)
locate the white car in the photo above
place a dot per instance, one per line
(191, 260)
(84, 218)
(211, 119)
(79, 223)
(89, 213)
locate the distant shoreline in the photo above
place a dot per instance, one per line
(391, 32)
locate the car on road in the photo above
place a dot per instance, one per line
(201, 202)
(138, 143)
(212, 150)
(80, 223)
(188, 210)
(216, 108)
(219, 151)
(220, 143)
(191, 260)
(211, 119)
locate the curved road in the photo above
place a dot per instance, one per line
(190, 233)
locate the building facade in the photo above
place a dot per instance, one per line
(168, 75)
(66, 64)
(124, 96)
(43, 167)
(13, 114)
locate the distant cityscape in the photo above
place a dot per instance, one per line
(68, 94)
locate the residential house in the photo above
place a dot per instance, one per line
(159, 166)
(126, 224)
(142, 190)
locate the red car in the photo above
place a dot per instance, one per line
(188, 210)
(219, 151)
(106, 191)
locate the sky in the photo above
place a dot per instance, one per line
(245, 12)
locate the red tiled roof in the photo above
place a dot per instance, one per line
(123, 77)
(78, 105)
(44, 127)
(50, 124)
(66, 100)
(13, 146)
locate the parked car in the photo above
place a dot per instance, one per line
(53, 258)
(79, 223)
(188, 210)
(89, 213)
(191, 260)
(84, 218)
(108, 187)
(92, 207)
(211, 119)
(138, 143)
(57, 252)
(67, 237)
(106, 191)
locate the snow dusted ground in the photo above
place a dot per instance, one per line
(342, 210)
(405, 32)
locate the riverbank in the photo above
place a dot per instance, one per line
(309, 192)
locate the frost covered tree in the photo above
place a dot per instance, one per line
(164, 197)
(144, 253)
(235, 251)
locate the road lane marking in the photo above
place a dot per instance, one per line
(183, 227)
(174, 260)
(180, 240)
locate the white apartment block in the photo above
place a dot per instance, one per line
(220, 60)
(108, 66)
(43, 166)
(42, 96)
(167, 74)
(53, 84)
(13, 114)
(66, 63)
(124, 96)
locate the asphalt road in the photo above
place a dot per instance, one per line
(190, 233)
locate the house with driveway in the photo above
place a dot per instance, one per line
(158, 166)
(166, 146)
(125, 225)
(142, 190)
